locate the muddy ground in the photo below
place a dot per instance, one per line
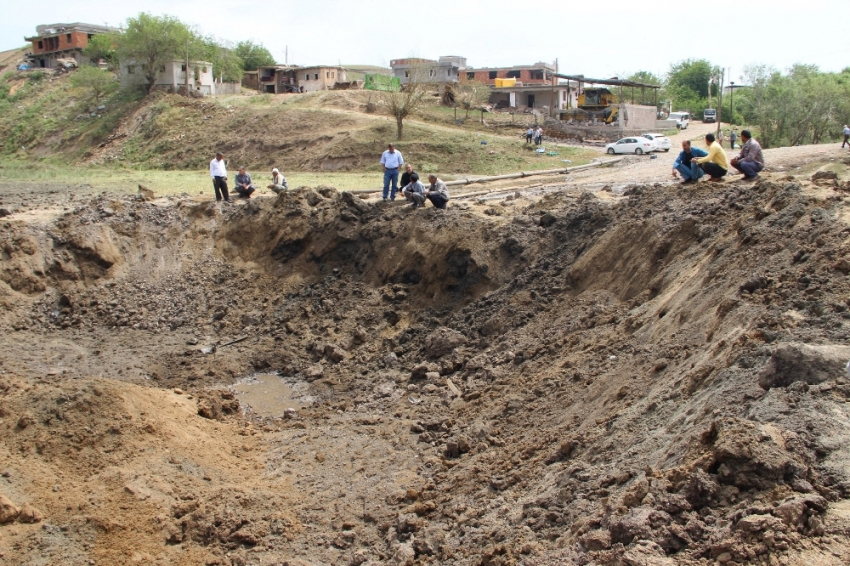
(637, 375)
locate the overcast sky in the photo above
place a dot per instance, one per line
(597, 39)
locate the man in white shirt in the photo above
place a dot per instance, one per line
(846, 136)
(392, 161)
(218, 172)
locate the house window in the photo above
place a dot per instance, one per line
(131, 69)
(91, 35)
(68, 38)
(537, 75)
(512, 74)
(407, 74)
(307, 77)
(494, 74)
(333, 74)
(317, 76)
(470, 76)
(162, 68)
(41, 45)
(183, 68)
(204, 69)
(431, 73)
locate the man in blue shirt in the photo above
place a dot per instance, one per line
(685, 164)
(392, 161)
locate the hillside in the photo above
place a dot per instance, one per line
(43, 117)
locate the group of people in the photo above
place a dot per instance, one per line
(244, 186)
(534, 133)
(694, 162)
(411, 187)
(733, 137)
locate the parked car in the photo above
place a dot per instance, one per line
(662, 142)
(709, 115)
(636, 145)
(681, 119)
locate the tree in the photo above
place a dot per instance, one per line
(227, 65)
(153, 41)
(471, 94)
(687, 84)
(96, 81)
(253, 55)
(102, 46)
(403, 103)
(644, 96)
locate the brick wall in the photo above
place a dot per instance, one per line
(524, 76)
(60, 42)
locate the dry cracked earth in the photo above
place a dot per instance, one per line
(644, 376)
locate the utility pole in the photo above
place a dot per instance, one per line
(286, 56)
(187, 67)
(720, 102)
(731, 102)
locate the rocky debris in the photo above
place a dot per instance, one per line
(809, 363)
(443, 341)
(8, 510)
(313, 372)
(145, 193)
(30, 514)
(217, 404)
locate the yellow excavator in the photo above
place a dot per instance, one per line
(597, 102)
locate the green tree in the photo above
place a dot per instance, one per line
(401, 104)
(253, 55)
(102, 46)
(227, 65)
(95, 81)
(153, 41)
(687, 84)
(647, 96)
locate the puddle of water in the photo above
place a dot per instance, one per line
(268, 395)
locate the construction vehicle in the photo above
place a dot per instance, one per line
(595, 103)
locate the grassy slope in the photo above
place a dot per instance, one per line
(316, 138)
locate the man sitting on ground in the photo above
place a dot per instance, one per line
(437, 193)
(244, 186)
(405, 177)
(685, 164)
(278, 182)
(716, 164)
(750, 161)
(414, 191)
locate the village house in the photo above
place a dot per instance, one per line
(445, 70)
(62, 41)
(277, 79)
(536, 74)
(171, 76)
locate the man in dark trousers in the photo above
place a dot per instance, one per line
(218, 172)
(405, 177)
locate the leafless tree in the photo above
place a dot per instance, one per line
(401, 104)
(471, 94)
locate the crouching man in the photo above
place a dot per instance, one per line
(278, 182)
(750, 161)
(414, 191)
(244, 186)
(437, 193)
(685, 164)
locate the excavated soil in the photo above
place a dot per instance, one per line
(638, 376)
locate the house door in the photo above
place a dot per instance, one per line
(531, 101)
(270, 88)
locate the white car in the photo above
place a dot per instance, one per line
(681, 119)
(638, 145)
(662, 142)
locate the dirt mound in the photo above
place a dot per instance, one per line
(647, 378)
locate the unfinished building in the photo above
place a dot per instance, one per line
(278, 79)
(171, 76)
(447, 69)
(62, 41)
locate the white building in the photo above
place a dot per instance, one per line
(171, 76)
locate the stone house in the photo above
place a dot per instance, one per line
(278, 79)
(447, 69)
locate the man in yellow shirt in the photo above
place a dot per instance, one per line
(716, 164)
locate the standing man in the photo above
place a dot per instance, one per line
(716, 164)
(538, 135)
(405, 177)
(391, 160)
(437, 193)
(750, 161)
(218, 172)
(732, 137)
(846, 136)
(529, 135)
(685, 164)
(720, 138)
(244, 186)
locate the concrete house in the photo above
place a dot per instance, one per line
(536, 74)
(62, 41)
(277, 79)
(171, 76)
(445, 70)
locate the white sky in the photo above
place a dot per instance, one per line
(597, 39)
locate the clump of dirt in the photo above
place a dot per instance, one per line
(650, 377)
